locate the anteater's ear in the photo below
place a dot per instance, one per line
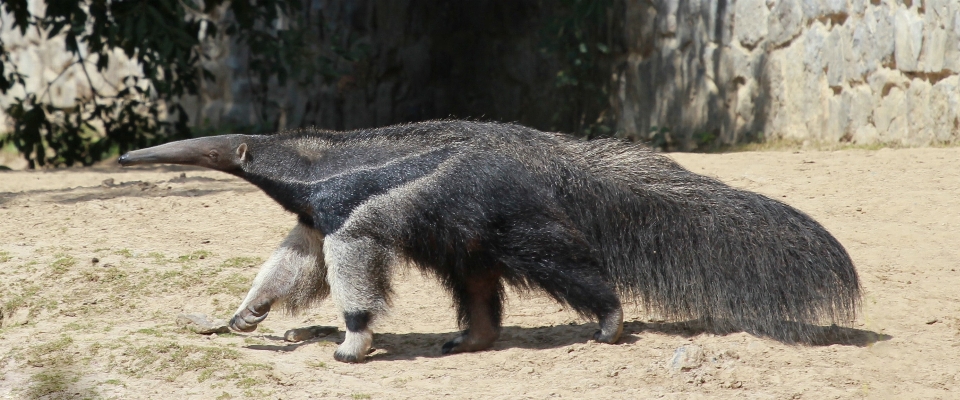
(242, 152)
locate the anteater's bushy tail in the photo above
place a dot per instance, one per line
(690, 247)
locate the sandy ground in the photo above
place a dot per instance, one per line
(173, 240)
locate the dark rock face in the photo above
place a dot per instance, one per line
(421, 60)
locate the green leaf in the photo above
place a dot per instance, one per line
(103, 61)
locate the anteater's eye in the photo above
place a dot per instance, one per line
(213, 154)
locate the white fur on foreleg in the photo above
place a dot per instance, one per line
(355, 346)
(358, 274)
(300, 251)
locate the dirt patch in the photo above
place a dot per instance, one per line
(96, 264)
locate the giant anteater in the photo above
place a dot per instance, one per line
(481, 205)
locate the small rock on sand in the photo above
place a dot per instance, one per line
(686, 358)
(200, 323)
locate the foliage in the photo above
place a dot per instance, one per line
(579, 34)
(661, 138)
(166, 38)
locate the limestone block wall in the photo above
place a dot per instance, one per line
(860, 71)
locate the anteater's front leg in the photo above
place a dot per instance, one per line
(359, 278)
(295, 274)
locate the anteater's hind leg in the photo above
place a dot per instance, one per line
(588, 294)
(359, 277)
(479, 299)
(295, 273)
(557, 259)
(611, 326)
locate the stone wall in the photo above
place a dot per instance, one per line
(860, 71)
(425, 59)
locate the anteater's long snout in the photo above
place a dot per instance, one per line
(125, 160)
(189, 152)
(216, 152)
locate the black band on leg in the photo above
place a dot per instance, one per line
(356, 321)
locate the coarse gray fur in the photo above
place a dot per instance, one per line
(480, 205)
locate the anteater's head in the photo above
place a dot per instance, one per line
(225, 153)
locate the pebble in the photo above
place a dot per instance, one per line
(686, 358)
(200, 323)
(734, 385)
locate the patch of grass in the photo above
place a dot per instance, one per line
(248, 382)
(63, 264)
(111, 276)
(316, 364)
(359, 396)
(158, 258)
(51, 354)
(27, 267)
(55, 384)
(233, 284)
(196, 255)
(149, 331)
(250, 367)
(5, 256)
(224, 396)
(124, 252)
(175, 359)
(19, 300)
(241, 262)
(205, 375)
(80, 326)
(252, 340)
(58, 250)
(95, 348)
(114, 382)
(256, 393)
(188, 277)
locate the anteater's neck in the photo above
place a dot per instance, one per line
(286, 168)
(297, 171)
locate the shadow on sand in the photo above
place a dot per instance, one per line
(109, 189)
(406, 346)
